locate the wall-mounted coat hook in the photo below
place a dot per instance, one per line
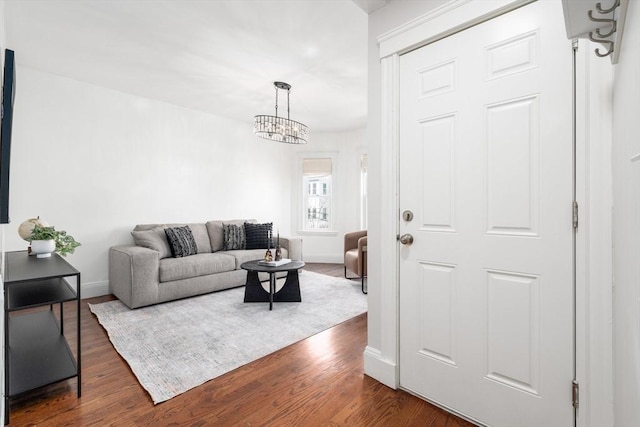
(607, 21)
(601, 21)
(599, 35)
(608, 43)
(606, 11)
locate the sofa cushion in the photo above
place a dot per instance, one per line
(181, 241)
(233, 237)
(153, 238)
(216, 231)
(258, 235)
(194, 266)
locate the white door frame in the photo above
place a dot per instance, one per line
(593, 170)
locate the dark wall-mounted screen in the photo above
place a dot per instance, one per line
(8, 94)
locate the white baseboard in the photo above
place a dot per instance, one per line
(95, 289)
(379, 369)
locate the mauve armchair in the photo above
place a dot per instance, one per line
(355, 254)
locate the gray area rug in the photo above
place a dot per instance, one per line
(175, 346)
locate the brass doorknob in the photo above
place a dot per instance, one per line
(406, 239)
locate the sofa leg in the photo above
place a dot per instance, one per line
(362, 284)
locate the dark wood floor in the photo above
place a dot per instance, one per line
(315, 382)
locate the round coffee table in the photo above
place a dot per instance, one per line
(290, 291)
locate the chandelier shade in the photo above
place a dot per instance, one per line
(280, 129)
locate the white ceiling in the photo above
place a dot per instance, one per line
(370, 6)
(216, 56)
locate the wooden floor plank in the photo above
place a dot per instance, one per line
(315, 382)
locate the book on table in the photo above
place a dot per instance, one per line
(274, 263)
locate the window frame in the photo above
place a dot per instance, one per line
(301, 206)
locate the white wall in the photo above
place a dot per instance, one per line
(95, 162)
(348, 147)
(626, 224)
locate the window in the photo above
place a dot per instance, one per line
(317, 175)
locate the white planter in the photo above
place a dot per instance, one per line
(43, 248)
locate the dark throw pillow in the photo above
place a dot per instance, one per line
(257, 235)
(181, 241)
(233, 237)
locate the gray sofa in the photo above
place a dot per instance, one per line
(145, 273)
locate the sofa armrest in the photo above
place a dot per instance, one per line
(134, 275)
(293, 245)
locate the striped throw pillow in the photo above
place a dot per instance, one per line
(233, 237)
(181, 241)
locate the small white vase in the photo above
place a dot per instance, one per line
(43, 248)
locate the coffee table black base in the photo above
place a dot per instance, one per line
(290, 292)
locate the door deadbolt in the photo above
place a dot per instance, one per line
(406, 239)
(407, 215)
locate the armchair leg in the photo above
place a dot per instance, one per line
(357, 277)
(347, 277)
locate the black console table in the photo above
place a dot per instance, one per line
(37, 352)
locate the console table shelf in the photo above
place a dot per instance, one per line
(39, 293)
(37, 352)
(39, 355)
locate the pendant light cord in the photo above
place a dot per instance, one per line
(288, 103)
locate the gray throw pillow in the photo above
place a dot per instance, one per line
(181, 241)
(234, 237)
(153, 239)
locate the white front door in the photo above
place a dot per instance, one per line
(486, 155)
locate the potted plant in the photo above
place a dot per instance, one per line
(45, 240)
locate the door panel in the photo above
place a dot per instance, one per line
(486, 289)
(512, 174)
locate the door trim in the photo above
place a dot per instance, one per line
(450, 18)
(593, 252)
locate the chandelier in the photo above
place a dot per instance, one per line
(278, 128)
